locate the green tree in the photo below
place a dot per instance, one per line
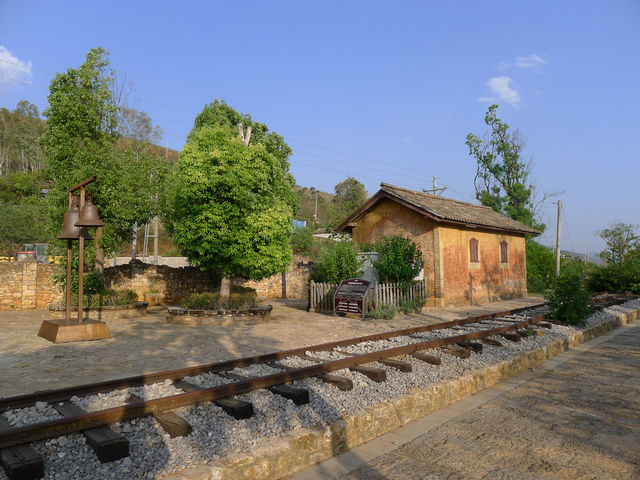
(621, 239)
(79, 141)
(232, 206)
(19, 132)
(220, 113)
(399, 259)
(541, 267)
(502, 177)
(349, 195)
(338, 261)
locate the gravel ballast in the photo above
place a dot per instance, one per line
(155, 455)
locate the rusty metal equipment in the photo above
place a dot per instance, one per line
(89, 216)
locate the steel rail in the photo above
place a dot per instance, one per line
(62, 394)
(54, 428)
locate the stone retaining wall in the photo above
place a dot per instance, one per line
(30, 285)
(27, 285)
(293, 452)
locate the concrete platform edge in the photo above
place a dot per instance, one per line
(295, 451)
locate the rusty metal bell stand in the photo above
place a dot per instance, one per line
(69, 229)
(89, 216)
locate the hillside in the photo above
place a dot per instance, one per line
(307, 196)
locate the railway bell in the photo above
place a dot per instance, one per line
(89, 216)
(69, 229)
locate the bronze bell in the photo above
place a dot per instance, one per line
(89, 216)
(69, 230)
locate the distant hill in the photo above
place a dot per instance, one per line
(307, 196)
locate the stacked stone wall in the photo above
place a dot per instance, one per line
(27, 285)
(30, 285)
(297, 281)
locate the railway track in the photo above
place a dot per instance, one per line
(458, 337)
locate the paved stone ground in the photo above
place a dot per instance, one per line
(29, 363)
(574, 417)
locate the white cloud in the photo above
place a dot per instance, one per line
(500, 87)
(533, 61)
(11, 69)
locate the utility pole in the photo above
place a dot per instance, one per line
(585, 254)
(315, 212)
(435, 189)
(558, 241)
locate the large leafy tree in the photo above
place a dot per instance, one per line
(348, 196)
(621, 239)
(79, 141)
(233, 206)
(502, 177)
(220, 113)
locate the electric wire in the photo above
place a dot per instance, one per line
(295, 151)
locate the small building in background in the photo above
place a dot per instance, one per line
(472, 254)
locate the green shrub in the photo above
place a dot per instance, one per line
(617, 277)
(383, 312)
(412, 306)
(302, 241)
(541, 267)
(338, 261)
(569, 301)
(108, 298)
(241, 298)
(399, 260)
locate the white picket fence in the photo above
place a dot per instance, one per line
(321, 295)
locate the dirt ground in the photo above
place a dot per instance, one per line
(29, 363)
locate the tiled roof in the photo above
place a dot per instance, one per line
(442, 209)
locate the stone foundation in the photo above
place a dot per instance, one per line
(295, 451)
(181, 316)
(134, 310)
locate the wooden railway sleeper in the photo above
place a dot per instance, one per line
(475, 346)
(376, 374)
(426, 357)
(21, 462)
(171, 423)
(389, 362)
(456, 351)
(107, 444)
(299, 396)
(511, 336)
(237, 408)
(343, 383)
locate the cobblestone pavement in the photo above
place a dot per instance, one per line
(29, 363)
(576, 417)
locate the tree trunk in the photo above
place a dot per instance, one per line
(134, 242)
(99, 250)
(225, 289)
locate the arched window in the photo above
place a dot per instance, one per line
(504, 252)
(473, 251)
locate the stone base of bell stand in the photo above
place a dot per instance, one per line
(61, 331)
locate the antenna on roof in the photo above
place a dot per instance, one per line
(435, 189)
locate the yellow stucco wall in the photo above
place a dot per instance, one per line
(487, 280)
(451, 278)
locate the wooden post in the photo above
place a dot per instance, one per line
(81, 261)
(558, 241)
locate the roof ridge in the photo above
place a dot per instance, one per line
(438, 197)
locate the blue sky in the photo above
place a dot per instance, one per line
(382, 91)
